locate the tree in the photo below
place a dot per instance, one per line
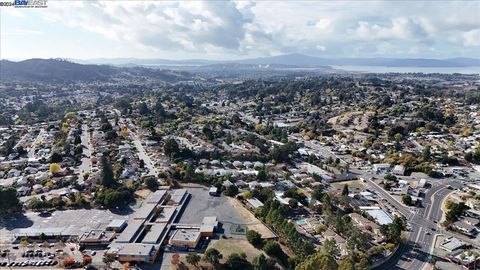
(393, 231)
(68, 262)
(320, 229)
(318, 261)
(8, 200)
(87, 260)
(231, 190)
(193, 259)
(254, 238)
(293, 203)
(55, 157)
(151, 183)
(55, 168)
(345, 190)
(426, 153)
(273, 249)
(107, 173)
(143, 109)
(237, 262)
(262, 175)
(263, 263)
(407, 199)
(108, 259)
(171, 147)
(318, 192)
(346, 263)
(212, 256)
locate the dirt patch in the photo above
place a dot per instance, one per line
(250, 220)
(354, 184)
(143, 193)
(356, 120)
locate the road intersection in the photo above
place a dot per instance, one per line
(415, 252)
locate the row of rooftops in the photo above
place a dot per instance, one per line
(151, 224)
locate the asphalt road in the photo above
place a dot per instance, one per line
(416, 251)
(86, 165)
(142, 154)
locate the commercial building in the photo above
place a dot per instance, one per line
(451, 244)
(117, 225)
(208, 227)
(135, 252)
(465, 228)
(96, 238)
(185, 238)
(146, 230)
(381, 168)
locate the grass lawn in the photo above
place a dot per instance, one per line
(229, 246)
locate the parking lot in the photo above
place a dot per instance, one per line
(201, 204)
(27, 258)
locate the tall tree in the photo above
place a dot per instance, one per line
(171, 147)
(263, 263)
(345, 190)
(212, 256)
(108, 179)
(193, 259)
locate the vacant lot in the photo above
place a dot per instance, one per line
(250, 220)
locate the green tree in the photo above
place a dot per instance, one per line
(262, 175)
(171, 147)
(346, 263)
(263, 263)
(212, 256)
(318, 261)
(108, 179)
(193, 258)
(231, 190)
(345, 190)
(293, 203)
(237, 262)
(426, 153)
(8, 200)
(254, 238)
(407, 199)
(273, 249)
(151, 183)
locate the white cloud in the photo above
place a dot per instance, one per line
(471, 38)
(226, 28)
(398, 28)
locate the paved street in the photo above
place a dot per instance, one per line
(86, 165)
(142, 154)
(31, 150)
(416, 253)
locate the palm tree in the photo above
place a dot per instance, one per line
(59, 244)
(45, 245)
(24, 243)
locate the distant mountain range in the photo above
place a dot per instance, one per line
(171, 71)
(295, 60)
(59, 70)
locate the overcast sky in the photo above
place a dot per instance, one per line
(241, 29)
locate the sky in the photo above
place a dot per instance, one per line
(241, 29)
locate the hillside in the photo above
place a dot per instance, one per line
(57, 70)
(297, 60)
